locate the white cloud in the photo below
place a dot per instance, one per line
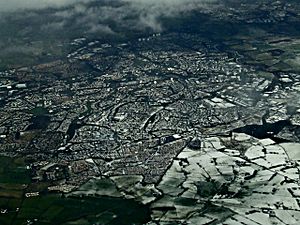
(168, 5)
(13, 5)
(128, 14)
(150, 11)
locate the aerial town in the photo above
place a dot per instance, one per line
(199, 135)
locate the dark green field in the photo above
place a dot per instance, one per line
(57, 209)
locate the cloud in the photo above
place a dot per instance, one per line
(35, 28)
(14, 5)
(133, 14)
(150, 11)
(108, 16)
(53, 26)
(100, 28)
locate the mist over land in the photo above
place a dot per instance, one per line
(40, 29)
(29, 27)
(97, 13)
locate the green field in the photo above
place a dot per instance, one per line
(56, 209)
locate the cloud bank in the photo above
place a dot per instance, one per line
(150, 11)
(106, 16)
(14, 5)
(136, 14)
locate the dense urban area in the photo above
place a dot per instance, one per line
(197, 130)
